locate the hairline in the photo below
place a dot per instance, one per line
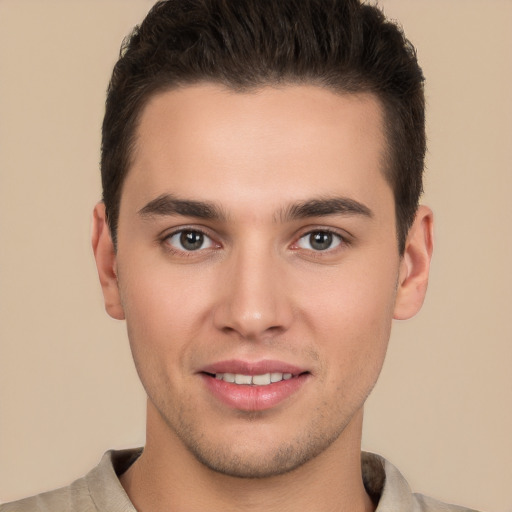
(154, 89)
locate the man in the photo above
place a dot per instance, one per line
(259, 231)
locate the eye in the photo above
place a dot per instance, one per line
(189, 240)
(319, 241)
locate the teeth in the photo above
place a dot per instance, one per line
(261, 380)
(256, 380)
(276, 377)
(243, 379)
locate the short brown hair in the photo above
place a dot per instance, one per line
(343, 45)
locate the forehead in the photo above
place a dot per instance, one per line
(207, 139)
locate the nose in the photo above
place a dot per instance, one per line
(255, 302)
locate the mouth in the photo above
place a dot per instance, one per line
(264, 379)
(254, 386)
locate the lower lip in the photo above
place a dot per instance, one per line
(254, 398)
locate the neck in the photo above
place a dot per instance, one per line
(167, 477)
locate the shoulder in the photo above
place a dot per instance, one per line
(391, 492)
(98, 491)
(426, 504)
(74, 497)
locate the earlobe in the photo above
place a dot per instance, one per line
(415, 266)
(105, 256)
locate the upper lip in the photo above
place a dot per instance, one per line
(252, 367)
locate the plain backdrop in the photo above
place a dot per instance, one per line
(442, 411)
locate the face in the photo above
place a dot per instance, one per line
(257, 269)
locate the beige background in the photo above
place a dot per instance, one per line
(443, 408)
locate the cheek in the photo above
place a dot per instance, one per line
(162, 318)
(158, 298)
(164, 313)
(350, 314)
(354, 298)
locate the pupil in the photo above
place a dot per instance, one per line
(321, 240)
(191, 240)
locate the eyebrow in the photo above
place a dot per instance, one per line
(167, 204)
(323, 207)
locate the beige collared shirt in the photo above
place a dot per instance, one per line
(101, 491)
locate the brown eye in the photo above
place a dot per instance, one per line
(319, 241)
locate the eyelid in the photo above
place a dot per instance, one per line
(305, 240)
(167, 234)
(344, 237)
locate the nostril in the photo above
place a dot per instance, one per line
(252, 315)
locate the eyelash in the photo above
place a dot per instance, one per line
(165, 241)
(343, 241)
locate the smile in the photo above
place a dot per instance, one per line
(257, 386)
(253, 380)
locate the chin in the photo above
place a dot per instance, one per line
(260, 457)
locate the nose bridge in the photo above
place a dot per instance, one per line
(254, 302)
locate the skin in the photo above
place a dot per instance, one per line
(258, 288)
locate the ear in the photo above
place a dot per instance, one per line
(415, 265)
(106, 262)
